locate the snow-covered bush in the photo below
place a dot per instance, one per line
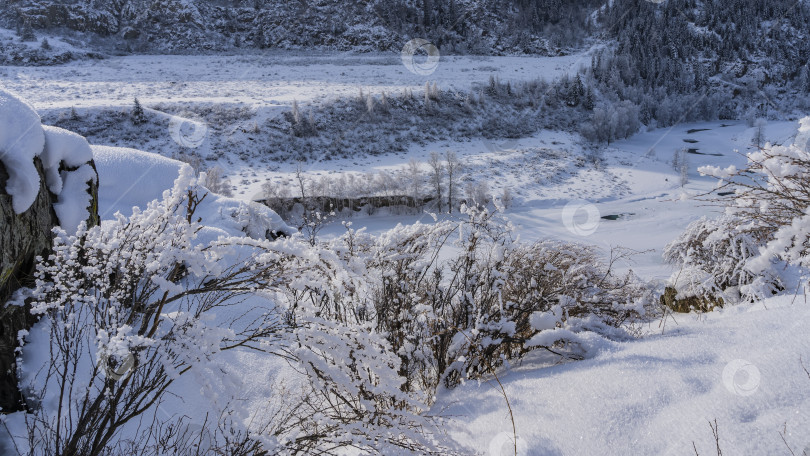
(745, 254)
(492, 300)
(611, 121)
(711, 257)
(126, 309)
(509, 298)
(216, 181)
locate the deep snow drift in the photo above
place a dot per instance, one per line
(655, 395)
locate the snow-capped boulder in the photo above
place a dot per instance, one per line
(71, 176)
(21, 139)
(132, 178)
(47, 178)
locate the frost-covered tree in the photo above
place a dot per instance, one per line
(612, 121)
(453, 174)
(416, 179)
(758, 140)
(138, 116)
(437, 171)
(216, 181)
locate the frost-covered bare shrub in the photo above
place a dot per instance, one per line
(680, 163)
(507, 200)
(192, 159)
(130, 307)
(489, 302)
(512, 298)
(216, 181)
(775, 187)
(124, 311)
(301, 126)
(742, 256)
(477, 194)
(711, 258)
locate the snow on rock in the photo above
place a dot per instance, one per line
(74, 199)
(67, 173)
(65, 156)
(63, 146)
(131, 178)
(21, 139)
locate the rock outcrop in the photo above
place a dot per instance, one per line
(29, 197)
(23, 237)
(671, 300)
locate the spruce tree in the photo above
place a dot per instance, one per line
(138, 116)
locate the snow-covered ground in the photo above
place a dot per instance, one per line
(545, 172)
(652, 395)
(258, 80)
(655, 395)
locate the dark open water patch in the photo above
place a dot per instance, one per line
(697, 152)
(618, 216)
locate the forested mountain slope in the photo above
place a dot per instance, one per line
(685, 60)
(465, 26)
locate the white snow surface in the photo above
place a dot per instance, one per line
(74, 200)
(269, 79)
(651, 395)
(131, 178)
(654, 395)
(65, 149)
(62, 146)
(21, 139)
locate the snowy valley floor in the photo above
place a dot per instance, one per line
(652, 395)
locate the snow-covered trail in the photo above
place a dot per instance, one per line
(258, 80)
(655, 395)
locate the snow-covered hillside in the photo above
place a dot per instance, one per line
(297, 248)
